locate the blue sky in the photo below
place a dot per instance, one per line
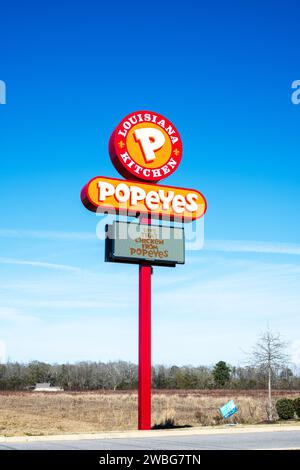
(222, 73)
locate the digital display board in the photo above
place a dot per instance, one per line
(135, 243)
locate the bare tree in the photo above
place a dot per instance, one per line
(269, 355)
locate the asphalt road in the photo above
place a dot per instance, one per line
(262, 440)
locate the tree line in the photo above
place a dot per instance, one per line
(122, 375)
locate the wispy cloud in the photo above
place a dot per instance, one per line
(40, 264)
(233, 246)
(14, 314)
(241, 246)
(220, 307)
(212, 307)
(295, 351)
(63, 292)
(47, 234)
(2, 352)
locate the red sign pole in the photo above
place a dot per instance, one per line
(144, 399)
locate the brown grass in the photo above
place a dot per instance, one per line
(32, 413)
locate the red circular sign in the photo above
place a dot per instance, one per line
(145, 146)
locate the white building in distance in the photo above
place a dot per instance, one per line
(46, 387)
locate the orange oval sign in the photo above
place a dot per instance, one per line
(132, 198)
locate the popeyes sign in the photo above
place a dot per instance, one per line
(145, 148)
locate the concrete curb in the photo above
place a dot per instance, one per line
(154, 433)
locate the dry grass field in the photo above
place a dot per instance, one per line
(33, 413)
